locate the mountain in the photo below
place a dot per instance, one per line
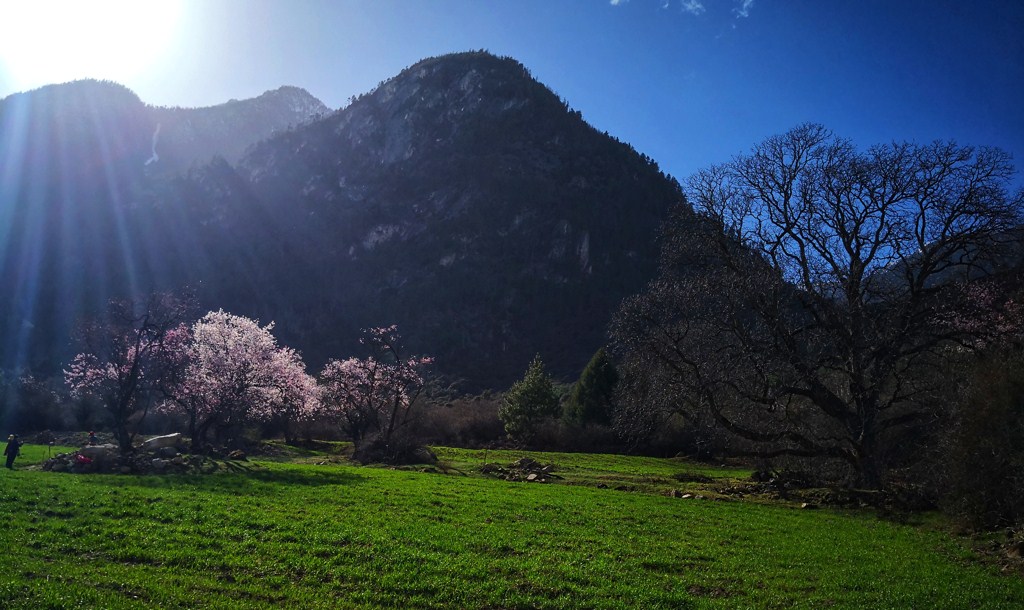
(98, 117)
(76, 164)
(190, 135)
(461, 199)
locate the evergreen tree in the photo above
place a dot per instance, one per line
(591, 398)
(528, 402)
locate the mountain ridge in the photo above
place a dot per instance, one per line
(461, 199)
(187, 135)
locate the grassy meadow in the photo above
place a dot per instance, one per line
(309, 530)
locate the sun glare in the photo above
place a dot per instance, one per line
(50, 41)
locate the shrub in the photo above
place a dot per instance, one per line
(469, 421)
(30, 404)
(985, 448)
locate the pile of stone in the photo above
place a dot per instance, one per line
(158, 455)
(525, 469)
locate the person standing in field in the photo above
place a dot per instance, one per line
(12, 449)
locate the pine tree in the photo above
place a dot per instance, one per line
(591, 398)
(528, 402)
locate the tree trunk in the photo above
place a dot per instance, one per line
(869, 468)
(124, 440)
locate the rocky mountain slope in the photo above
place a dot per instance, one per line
(195, 135)
(462, 200)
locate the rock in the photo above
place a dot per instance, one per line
(602, 486)
(178, 460)
(159, 464)
(531, 477)
(59, 467)
(166, 452)
(686, 496)
(423, 455)
(159, 442)
(808, 506)
(490, 467)
(1015, 550)
(238, 454)
(99, 452)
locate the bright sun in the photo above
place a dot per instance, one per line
(52, 41)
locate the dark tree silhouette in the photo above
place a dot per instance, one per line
(837, 284)
(591, 397)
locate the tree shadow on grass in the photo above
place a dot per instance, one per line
(232, 477)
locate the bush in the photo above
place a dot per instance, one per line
(561, 435)
(400, 448)
(30, 404)
(470, 421)
(985, 448)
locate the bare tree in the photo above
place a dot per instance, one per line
(823, 288)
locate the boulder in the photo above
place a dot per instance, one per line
(526, 464)
(99, 452)
(167, 452)
(237, 454)
(423, 455)
(159, 442)
(490, 467)
(1015, 550)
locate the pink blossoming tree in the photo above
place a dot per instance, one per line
(295, 395)
(372, 397)
(232, 372)
(125, 358)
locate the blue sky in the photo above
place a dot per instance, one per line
(688, 82)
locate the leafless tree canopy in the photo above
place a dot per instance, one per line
(837, 279)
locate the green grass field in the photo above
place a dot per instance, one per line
(314, 532)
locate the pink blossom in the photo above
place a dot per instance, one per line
(372, 394)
